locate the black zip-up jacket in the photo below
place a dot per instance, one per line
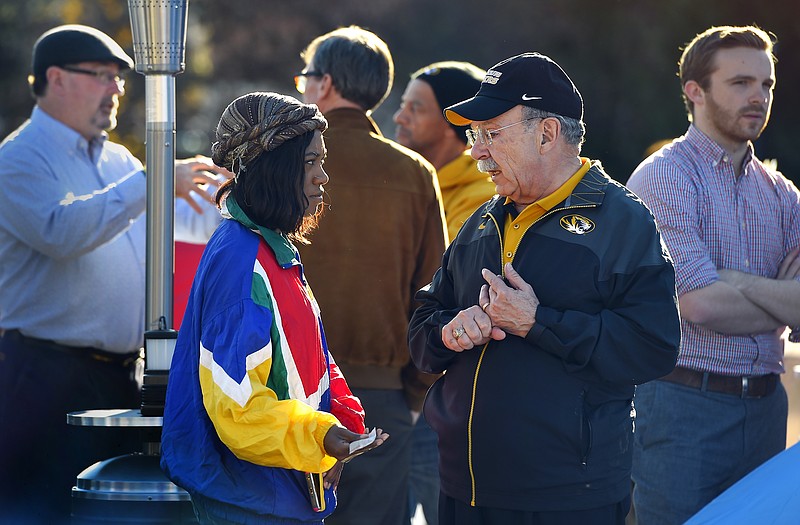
(545, 422)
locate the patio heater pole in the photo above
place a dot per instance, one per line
(159, 43)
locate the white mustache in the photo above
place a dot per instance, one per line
(487, 165)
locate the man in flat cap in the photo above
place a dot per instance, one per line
(553, 301)
(72, 239)
(421, 126)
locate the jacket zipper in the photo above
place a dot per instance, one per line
(554, 210)
(474, 390)
(585, 433)
(469, 427)
(500, 235)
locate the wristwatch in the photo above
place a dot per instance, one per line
(794, 335)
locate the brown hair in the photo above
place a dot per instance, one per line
(697, 61)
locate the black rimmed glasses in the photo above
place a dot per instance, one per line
(301, 79)
(486, 136)
(106, 77)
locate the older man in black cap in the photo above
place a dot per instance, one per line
(555, 299)
(72, 239)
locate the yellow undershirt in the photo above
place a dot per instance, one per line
(515, 227)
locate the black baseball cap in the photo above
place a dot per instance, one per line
(74, 43)
(529, 79)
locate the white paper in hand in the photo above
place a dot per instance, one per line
(360, 446)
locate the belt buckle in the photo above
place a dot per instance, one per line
(745, 386)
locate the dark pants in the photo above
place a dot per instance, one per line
(690, 446)
(373, 489)
(40, 455)
(456, 512)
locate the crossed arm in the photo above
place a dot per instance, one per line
(742, 303)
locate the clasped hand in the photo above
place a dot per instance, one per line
(501, 309)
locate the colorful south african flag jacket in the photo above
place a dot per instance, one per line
(252, 387)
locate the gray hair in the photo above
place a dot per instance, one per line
(573, 130)
(358, 61)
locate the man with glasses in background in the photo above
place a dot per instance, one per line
(72, 272)
(553, 301)
(379, 242)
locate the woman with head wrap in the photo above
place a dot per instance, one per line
(255, 401)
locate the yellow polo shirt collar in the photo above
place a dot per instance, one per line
(515, 227)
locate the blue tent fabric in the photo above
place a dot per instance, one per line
(769, 495)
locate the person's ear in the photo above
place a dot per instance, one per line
(551, 127)
(694, 92)
(325, 85)
(55, 78)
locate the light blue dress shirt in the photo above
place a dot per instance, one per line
(72, 237)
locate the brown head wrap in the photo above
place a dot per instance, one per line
(260, 122)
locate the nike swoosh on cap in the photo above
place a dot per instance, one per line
(526, 97)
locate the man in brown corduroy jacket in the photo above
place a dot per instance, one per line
(381, 240)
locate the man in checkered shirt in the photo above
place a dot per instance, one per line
(732, 227)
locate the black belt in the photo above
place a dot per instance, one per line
(741, 386)
(85, 352)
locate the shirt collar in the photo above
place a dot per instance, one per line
(713, 153)
(352, 118)
(62, 136)
(285, 252)
(548, 202)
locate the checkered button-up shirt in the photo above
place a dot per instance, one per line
(711, 220)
